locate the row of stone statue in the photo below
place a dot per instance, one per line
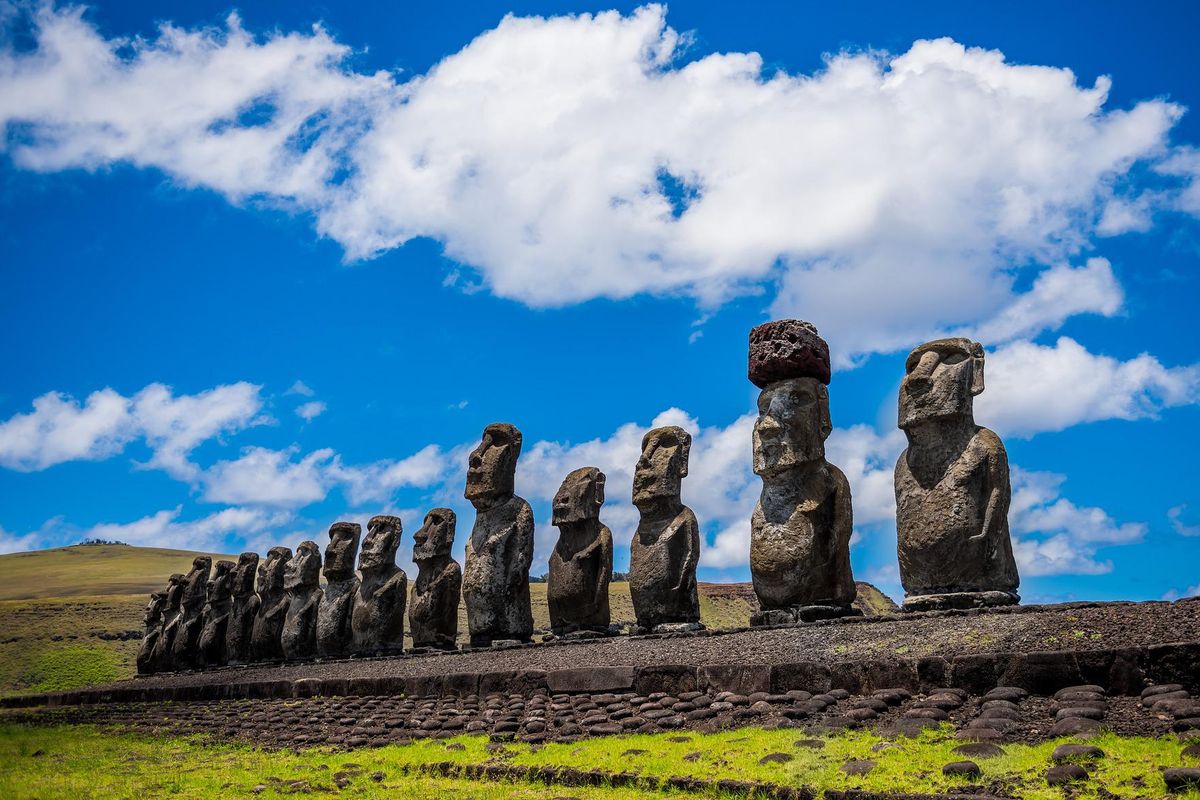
(952, 496)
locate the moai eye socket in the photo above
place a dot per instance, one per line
(955, 357)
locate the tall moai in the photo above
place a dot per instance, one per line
(433, 610)
(162, 655)
(801, 527)
(952, 486)
(152, 624)
(377, 615)
(341, 584)
(244, 608)
(302, 584)
(666, 547)
(500, 550)
(217, 610)
(581, 562)
(185, 647)
(266, 635)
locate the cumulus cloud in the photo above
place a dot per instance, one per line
(310, 411)
(19, 543)
(165, 529)
(1175, 515)
(60, 428)
(575, 157)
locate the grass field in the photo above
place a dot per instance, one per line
(85, 762)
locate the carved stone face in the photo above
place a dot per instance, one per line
(270, 571)
(243, 575)
(941, 379)
(793, 423)
(379, 548)
(195, 585)
(174, 592)
(303, 571)
(154, 609)
(436, 536)
(220, 588)
(580, 496)
(663, 464)
(341, 550)
(492, 468)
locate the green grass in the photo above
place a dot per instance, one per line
(92, 570)
(65, 668)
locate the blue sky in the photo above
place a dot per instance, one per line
(259, 276)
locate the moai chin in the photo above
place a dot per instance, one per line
(433, 611)
(801, 526)
(161, 657)
(666, 547)
(302, 584)
(217, 611)
(581, 562)
(341, 584)
(500, 550)
(952, 486)
(377, 616)
(244, 608)
(266, 635)
(185, 649)
(152, 622)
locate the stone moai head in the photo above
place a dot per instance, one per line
(303, 570)
(271, 569)
(341, 550)
(663, 464)
(154, 609)
(941, 378)
(220, 588)
(195, 585)
(436, 536)
(243, 574)
(174, 592)
(379, 548)
(492, 469)
(580, 497)
(793, 423)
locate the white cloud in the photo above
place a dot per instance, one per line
(1033, 388)
(311, 410)
(61, 429)
(378, 481)
(575, 157)
(1178, 525)
(19, 543)
(1175, 594)
(301, 388)
(164, 529)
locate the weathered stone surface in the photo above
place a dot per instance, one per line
(581, 562)
(591, 679)
(161, 655)
(244, 608)
(302, 585)
(1181, 779)
(500, 550)
(433, 613)
(952, 484)
(962, 769)
(1063, 774)
(152, 623)
(377, 617)
(785, 349)
(341, 584)
(267, 631)
(666, 547)
(185, 645)
(217, 611)
(800, 530)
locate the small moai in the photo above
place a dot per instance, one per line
(266, 635)
(162, 656)
(341, 584)
(500, 550)
(185, 648)
(302, 583)
(801, 527)
(217, 611)
(952, 486)
(244, 608)
(152, 623)
(377, 615)
(666, 547)
(581, 562)
(433, 610)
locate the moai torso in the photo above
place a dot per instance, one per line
(377, 616)
(433, 609)
(244, 608)
(341, 584)
(302, 584)
(162, 655)
(152, 621)
(185, 648)
(581, 561)
(266, 635)
(216, 615)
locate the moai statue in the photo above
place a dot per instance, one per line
(500, 550)
(152, 621)
(377, 617)
(245, 607)
(952, 489)
(185, 648)
(216, 615)
(800, 530)
(266, 635)
(161, 656)
(333, 616)
(666, 547)
(581, 562)
(433, 611)
(302, 583)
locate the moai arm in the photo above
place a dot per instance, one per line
(689, 529)
(604, 544)
(521, 541)
(843, 529)
(995, 515)
(449, 594)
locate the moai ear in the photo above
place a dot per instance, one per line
(826, 421)
(685, 448)
(600, 479)
(976, 368)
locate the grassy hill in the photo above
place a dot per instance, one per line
(71, 616)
